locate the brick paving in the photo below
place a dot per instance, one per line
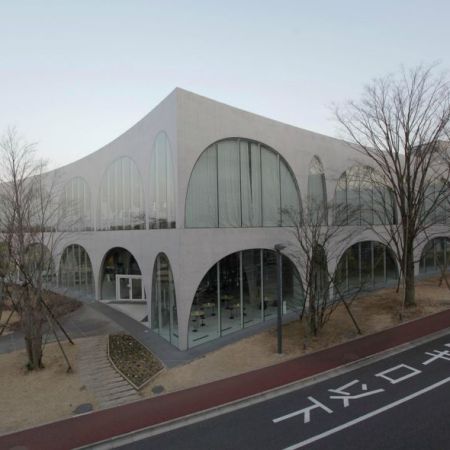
(96, 372)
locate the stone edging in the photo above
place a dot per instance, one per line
(125, 377)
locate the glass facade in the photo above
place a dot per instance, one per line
(119, 261)
(317, 193)
(365, 265)
(75, 206)
(436, 204)
(7, 268)
(75, 270)
(435, 256)
(240, 183)
(121, 199)
(362, 198)
(240, 291)
(162, 188)
(164, 319)
(40, 264)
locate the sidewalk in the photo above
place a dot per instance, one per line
(104, 424)
(84, 322)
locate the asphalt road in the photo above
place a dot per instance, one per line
(401, 402)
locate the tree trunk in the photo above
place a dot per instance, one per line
(312, 316)
(410, 288)
(32, 329)
(34, 351)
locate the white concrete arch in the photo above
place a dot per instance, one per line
(132, 269)
(438, 233)
(188, 292)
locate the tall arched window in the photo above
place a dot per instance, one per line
(362, 198)
(164, 306)
(162, 189)
(435, 256)
(39, 263)
(436, 203)
(241, 183)
(119, 261)
(75, 269)
(365, 265)
(75, 206)
(121, 200)
(240, 291)
(317, 193)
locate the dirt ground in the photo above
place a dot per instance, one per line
(11, 325)
(32, 398)
(60, 306)
(373, 312)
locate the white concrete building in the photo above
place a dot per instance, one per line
(180, 214)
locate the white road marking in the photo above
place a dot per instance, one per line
(413, 372)
(436, 354)
(304, 411)
(345, 396)
(367, 416)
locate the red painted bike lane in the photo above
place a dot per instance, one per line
(100, 425)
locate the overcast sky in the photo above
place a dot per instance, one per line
(76, 74)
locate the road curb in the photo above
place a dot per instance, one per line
(108, 428)
(224, 408)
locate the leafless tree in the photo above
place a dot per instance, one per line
(317, 244)
(27, 223)
(400, 124)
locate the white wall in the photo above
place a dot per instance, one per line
(192, 123)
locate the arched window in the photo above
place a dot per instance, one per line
(162, 189)
(118, 262)
(435, 256)
(362, 198)
(240, 291)
(436, 203)
(39, 264)
(75, 206)
(241, 183)
(75, 269)
(121, 200)
(364, 265)
(164, 306)
(317, 193)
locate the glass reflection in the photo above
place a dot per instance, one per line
(363, 198)
(164, 305)
(162, 190)
(39, 264)
(75, 206)
(75, 270)
(121, 202)
(118, 261)
(239, 183)
(240, 291)
(317, 196)
(364, 265)
(435, 256)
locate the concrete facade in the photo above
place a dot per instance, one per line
(192, 123)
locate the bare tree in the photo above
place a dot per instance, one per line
(399, 124)
(317, 246)
(27, 224)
